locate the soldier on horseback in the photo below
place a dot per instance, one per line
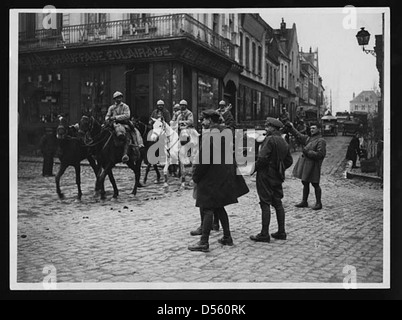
(119, 114)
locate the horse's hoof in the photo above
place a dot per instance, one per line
(61, 195)
(140, 185)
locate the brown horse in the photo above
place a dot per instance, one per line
(108, 148)
(72, 151)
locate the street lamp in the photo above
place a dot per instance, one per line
(363, 38)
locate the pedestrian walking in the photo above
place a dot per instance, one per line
(217, 184)
(48, 146)
(273, 159)
(308, 166)
(353, 149)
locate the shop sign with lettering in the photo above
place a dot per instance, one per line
(96, 56)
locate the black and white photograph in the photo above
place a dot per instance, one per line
(179, 149)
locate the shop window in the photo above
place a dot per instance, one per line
(167, 83)
(94, 88)
(208, 92)
(162, 82)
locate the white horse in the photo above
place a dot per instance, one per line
(175, 149)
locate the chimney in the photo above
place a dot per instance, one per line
(310, 50)
(353, 95)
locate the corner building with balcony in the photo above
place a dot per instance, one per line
(75, 66)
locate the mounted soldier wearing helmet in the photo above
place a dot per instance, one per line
(160, 112)
(185, 119)
(119, 115)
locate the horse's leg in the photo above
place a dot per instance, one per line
(146, 172)
(158, 174)
(165, 173)
(113, 182)
(182, 175)
(61, 171)
(96, 168)
(77, 168)
(136, 167)
(101, 182)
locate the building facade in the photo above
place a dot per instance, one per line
(75, 67)
(366, 101)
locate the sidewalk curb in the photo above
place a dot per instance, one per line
(363, 176)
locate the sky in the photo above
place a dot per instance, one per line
(343, 66)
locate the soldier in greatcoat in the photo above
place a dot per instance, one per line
(217, 184)
(308, 166)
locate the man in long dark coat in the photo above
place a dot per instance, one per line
(273, 159)
(48, 147)
(217, 182)
(353, 149)
(308, 166)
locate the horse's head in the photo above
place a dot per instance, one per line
(184, 136)
(85, 124)
(158, 128)
(62, 128)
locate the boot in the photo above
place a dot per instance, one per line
(263, 236)
(280, 217)
(318, 204)
(199, 246)
(226, 241)
(215, 225)
(306, 191)
(196, 232)
(125, 157)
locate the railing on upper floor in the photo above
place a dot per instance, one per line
(126, 30)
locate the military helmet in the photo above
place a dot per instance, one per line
(160, 102)
(117, 94)
(222, 103)
(176, 106)
(183, 102)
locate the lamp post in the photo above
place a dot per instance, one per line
(363, 38)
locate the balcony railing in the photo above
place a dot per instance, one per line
(166, 26)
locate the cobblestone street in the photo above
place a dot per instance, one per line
(142, 240)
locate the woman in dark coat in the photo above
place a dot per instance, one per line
(308, 166)
(217, 182)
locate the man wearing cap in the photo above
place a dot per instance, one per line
(217, 184)
(226, 115)
(272, 161)
(176, 112)
(119, 113)
(160, 112)
(185, 118)
(308, 166)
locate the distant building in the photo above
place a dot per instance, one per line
(365, 101)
